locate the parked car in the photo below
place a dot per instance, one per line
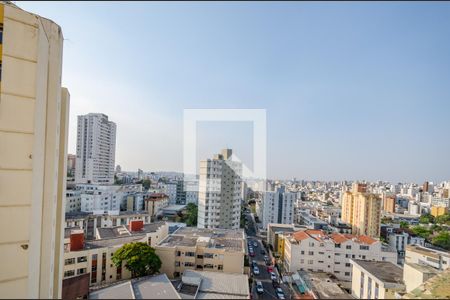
(254, 264)
(280, 293)
(262, 251)
(266, 258)
(252, 254)
(273, 276)
(256, 270)
(259, 287)
(269, 269)
(275, 284)
(255, 244)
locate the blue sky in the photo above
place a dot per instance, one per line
(352, 90)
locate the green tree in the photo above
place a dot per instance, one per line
(421, 231)
(426, 219)
(442, 239)
(146, 183)
(140, 259)
(404, 224)
(443, 219)
(190, 215)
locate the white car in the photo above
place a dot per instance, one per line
(280, 293)
(273, 276)
(259, 287)
(256, 270)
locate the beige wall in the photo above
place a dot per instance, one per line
(231, 261)
(33, 134)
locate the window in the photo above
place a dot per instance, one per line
(190, 254)
(81, 271)
(220, 267)
(189, 264)
(337, 263)
(310, 252)
(363, 247)
(348, 247)
(347, 273)
(321, 253)
(348, 264)
(302, 252)
(82, 259)
(178, 253)
(209, 266)
(69, 261)
(208, 255)
(310, 262)
(363, 257)
(69, 273)
(337, 245)
(177, 264)
(337, 254)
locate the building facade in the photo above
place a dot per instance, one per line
(277, 207)
(219, 203)
(34, 116)
(190, 248)
(362, 210)
(96, 149)
(313, 250)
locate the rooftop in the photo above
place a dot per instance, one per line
(427, 251)
(386, 272)
(437, 287)
(231, 240)
(215, 285)
(123, 230)
(148, 287)
(323, 286)
(337, 238)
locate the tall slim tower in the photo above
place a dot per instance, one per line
(362, 210)
(34, 118)
(219, 201)
(96, 149)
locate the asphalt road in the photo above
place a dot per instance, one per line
(264, 276)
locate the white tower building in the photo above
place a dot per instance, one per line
(96, 149)
(219, 199)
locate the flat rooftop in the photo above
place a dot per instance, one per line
(231, 240)
(383, 270)
(323, 286)
(148, 287)
(217, 285)
(427, 251)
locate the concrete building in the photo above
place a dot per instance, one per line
(73, 201)
(362, 210)
(34, 116)
(213, 285)
(313, 250)
(219, 203)
(189, 248)
(416, 274)
(154, 203)
(398, 239)
(311, 222)
(437, 259)
(437, 211)
(71, 161)
(147, 287)
(389, 204)
(276, 207)
(96, 149)
(170, 189)
(90, 221)
(376, 279)
(95, 257)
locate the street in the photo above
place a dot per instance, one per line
(264, 276)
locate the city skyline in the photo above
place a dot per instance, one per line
(318, 69)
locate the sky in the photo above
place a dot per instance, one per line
(352, 90)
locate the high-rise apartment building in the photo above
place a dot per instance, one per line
(96, 149)
(219, 201)
(362, 210)
(34, 118)
(277, 207)
(389, 204)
